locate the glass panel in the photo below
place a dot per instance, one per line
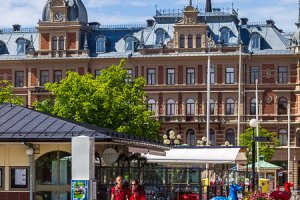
(65, 168)
(46, 169)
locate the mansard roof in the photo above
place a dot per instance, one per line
(272, 38)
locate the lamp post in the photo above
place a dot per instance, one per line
(253, 123)
(172, 139)
(29, 153)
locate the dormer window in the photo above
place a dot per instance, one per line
(22, 45)
(129, 43)
(255, 41)
(100, 44)
(2, 48)
(225, 34)
(160, 36)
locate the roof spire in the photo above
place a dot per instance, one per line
(191, 3)
(208, 6)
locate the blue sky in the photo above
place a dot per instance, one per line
(28, 12)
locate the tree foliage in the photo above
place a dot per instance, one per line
(266, 149)
(108, 101)
(7, 95)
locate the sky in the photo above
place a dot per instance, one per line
(28, 12)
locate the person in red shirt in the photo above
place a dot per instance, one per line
(119, 192)
(136, 191)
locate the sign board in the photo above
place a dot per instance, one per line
(80, 190)
(263, 139)
(110, 156)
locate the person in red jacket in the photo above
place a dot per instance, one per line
(136, 191)
(119, 192)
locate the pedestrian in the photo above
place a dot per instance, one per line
(137, 192)
(119, 191)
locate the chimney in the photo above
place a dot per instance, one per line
(16, 27)
(208, 7)
(244, 20)
(270, 22)
(94, 25)
(150, 22)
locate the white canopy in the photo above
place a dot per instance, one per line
(199, 155)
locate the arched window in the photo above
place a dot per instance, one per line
(61, 43)
(282, 106)
(170, 107)
(229, 106)
(212, 106)
(3, 49)
(190, 137)
(128, 43)
(230, 137)
(100, 45)
(54, 43)
(282, 136)
(212, 137)
(198, 41)
(255, 41)
(225, 33)
(190, 107)
(54, 169)
(253, 106)
(160, 36)
(181, 41)
(21, 46)
(151, 105)
(190, 41)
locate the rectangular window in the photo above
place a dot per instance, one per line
(19, 177)
(97, 73)
(44, 77)
(229, 75)
(57, 76)
(212, 75)
(129, 76)
(151, 74)
(190, 76)
(282, 75)
(170, 76)
(254, 74)
(19, 79)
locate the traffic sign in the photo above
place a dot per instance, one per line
(263, 139)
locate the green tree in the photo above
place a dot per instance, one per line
(266, 149)
(7, 95)
(108, 101)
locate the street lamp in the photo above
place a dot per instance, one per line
(29, 153)
(172, 139)
(253, 123)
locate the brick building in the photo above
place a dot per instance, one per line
(171, 51)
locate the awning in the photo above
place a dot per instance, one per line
(199, 155)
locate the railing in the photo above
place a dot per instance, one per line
(22, 30)
(123, 26)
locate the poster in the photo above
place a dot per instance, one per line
(80, 189)
(20, 177)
